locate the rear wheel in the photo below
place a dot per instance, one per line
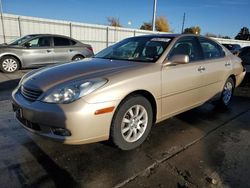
(132, 123)
(9, 64)
(77, 58)
(227, 93)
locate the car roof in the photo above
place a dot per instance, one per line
(160, 35)
(171, 35)
(44, 34)
(55, 35)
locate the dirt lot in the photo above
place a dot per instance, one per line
(204, 147)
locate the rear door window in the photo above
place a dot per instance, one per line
(60, 41)
(211, 49)
(72, 42)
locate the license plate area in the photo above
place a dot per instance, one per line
(19, 115)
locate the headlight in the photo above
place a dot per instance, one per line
(73, 91)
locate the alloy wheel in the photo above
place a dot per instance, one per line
(9, 65)
(227, 92)
(134, 123)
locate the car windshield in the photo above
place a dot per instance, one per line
(141, 49)
(21, 40)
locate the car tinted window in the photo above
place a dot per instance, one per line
(21, 40)
(244, 51)
(60, 41)
(187, 46)
(211, 49)
(39, 42)
(72, 42)
(237, 46)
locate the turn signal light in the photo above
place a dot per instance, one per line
(104, 110)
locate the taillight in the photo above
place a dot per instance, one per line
(90, 48)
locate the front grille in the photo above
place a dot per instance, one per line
(30, 94)
(28, 124)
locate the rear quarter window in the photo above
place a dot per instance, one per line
(211, 49)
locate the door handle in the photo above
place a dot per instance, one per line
(227, 64)
(70, 50)
(48, 51)
(200, 69)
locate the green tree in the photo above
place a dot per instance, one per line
(243, 34)
(193, 30)
(113, 21)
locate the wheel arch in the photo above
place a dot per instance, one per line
(78, 55)
(146, 94)
(234, 79)
(16, 57)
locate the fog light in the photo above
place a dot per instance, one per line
(61, 131)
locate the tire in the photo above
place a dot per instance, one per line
(9, 64)
(227, 93)
(77, 58)
(130, 119)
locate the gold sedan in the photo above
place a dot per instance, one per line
(126, 88)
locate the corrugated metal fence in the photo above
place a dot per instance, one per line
(98, 36)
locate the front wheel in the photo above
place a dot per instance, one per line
(227, 93)
(9, 64)
(131, 123)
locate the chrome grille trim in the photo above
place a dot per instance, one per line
(30, 94)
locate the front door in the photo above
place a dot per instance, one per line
(37, 52)
(182, 85)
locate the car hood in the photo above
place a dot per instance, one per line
(46, 78)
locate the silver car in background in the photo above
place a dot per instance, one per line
(37, 50)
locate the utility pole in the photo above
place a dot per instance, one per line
(1, 12)
(154, 13)
(183, 22)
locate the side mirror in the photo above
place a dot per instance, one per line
(177, 59)
(27, 45)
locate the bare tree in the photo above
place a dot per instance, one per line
(113, 21)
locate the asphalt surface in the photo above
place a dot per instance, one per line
(204, 147)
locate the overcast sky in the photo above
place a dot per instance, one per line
(224, 17)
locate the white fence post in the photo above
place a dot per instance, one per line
(107, 37)
(70, 29)
(19, 25)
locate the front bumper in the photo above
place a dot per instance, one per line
(78, 119)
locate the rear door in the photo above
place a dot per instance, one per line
(37, 51)
(216, 67)
(182, 85)
(64, 49)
